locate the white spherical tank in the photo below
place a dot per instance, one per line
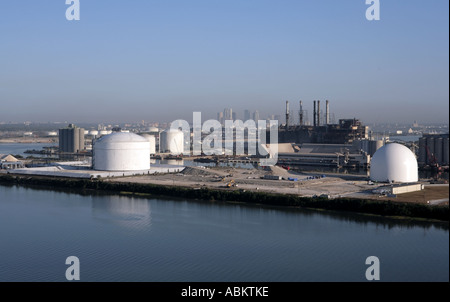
(172, 141)
(394, 162)
(121, 151)
(152, 140)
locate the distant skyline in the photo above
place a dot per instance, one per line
(127, 61)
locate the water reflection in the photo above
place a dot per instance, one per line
(138, 207)
(127, 212)
(130, 238)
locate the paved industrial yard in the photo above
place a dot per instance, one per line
(307, 184)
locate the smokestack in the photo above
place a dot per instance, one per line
(327, 113)
(314, 115)
(301, 113)
(287, 114)
(318, 113)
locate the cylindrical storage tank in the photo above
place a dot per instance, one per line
(171, 141)
(438, 148)
(445, 151)
(422, 150)
(153, 129)
(93, 132)
(394, 162)
(103, 132)
(121, 152)
(375, 145)
(86, 132)
(430, 149)
(152, 140)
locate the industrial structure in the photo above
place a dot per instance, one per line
(329, 155)
(368, 146)
(171, 141)
(394, 163)
(71, 139)
(8, 161)
(321, 132)
(152, 139)
(121, 151)
(433, 150)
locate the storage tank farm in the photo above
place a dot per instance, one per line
(121, 151)
(171, 141)
(434, 150)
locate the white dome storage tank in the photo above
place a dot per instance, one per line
(121, 151)
(171, 141)
(394, 162)
(152, 140)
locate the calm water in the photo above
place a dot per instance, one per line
(121, 238)
(19, 149)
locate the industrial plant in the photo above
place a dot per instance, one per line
(375, 167)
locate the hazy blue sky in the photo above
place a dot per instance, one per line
(162, 60)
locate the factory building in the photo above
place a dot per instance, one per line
(394, 163)
(121, 151)
(71, 139)
(322, 132)
(331, 155)
(433, 150)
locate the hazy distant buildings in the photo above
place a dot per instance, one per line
(71, 139)
(256, 116)
(220, 117)
(228, 114)
(246, 115)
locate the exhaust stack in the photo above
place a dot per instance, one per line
(315, 115)
(301, 113)
(318, 113)
(287, 114)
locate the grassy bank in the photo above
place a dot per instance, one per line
(376, 207)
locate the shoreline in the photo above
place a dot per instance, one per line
(387, 209)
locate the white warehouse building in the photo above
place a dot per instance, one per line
(394, 163)
(121, 151)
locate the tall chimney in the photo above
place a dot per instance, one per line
(318, 113)
(314, 115)
(301, 113)
(287, 114)
(327, 114)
